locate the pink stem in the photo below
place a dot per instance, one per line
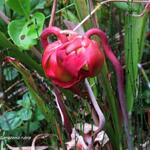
(4, 17)
(97, 109)
(120, 78)
(147, 6)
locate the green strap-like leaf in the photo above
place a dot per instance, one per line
(134, 42)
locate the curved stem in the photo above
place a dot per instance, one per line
(120, 79)
(52, 30)
(97, 109)
(62, 111)
(39, 136)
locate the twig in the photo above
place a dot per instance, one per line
(93, 17)
(105, 2)
(1, 81)
(145, 64)
(39, 136)
(4, 17)
(36, 53)
(60, 10)
(146, 9)
(144, 75)
(13, 85)
(51, 22)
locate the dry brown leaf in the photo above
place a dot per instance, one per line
(77, 141)
(81, 141)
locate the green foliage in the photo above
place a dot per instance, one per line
(38, 115)
(146, 96)
(37, 4)
(20, 6)
(26, 101)
(134, 42)
(122, 6)
(82, 12)
(25, 114)
(1, 4)
(70, 16)
(30, 83)
(10, 120)
(127, 6)
(4, 42)
(25, 33)
(29, 108)
(36, 110)
(33, 126)
(10, 73)
(14, 51)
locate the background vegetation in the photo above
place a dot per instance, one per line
(27, 99)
